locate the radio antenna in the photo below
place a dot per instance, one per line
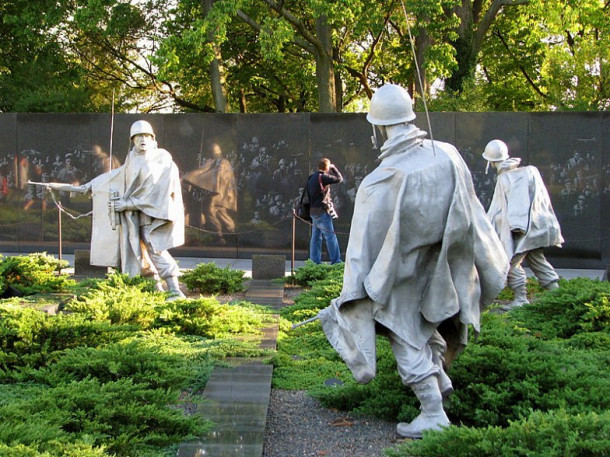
(419, 77)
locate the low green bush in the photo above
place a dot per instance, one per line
(120, 300)
(146, 365)
(33, 273)
(208, 278)
(30, 338)
(501, 377)
(579, 305)
(544, 363)
(508, 373)
(311, 301)
(126, 417)
(108, 376)
(54, 449)
(599, 341)
(310, 272)
(553, 434)
(20, 328)
(207, 317)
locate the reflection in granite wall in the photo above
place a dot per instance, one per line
(242, 174)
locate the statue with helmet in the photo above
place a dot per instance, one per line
(143, 198)
(522, 215)
(421, 262)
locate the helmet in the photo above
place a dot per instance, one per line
(390, 105)
(496, 151)
(141, 127)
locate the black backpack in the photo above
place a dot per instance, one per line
(302, 210)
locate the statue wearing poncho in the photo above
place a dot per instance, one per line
(421, 262)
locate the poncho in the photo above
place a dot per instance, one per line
(521, 203)
(149, 182)
(421, 252)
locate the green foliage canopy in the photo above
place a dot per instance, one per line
(266, 55)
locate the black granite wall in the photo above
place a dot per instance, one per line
(241, 203)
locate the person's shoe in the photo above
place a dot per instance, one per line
(432, 416)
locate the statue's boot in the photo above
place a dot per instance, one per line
(552, 285)
(147, 273)
(432, 416)
(174, 288)
(444, 382)
(519, 300)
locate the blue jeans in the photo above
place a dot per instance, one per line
(322, 226)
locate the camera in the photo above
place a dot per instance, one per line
(330, 209)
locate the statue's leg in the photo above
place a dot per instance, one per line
(148, 267)
(517, 281)
(166, 266)
(418, 370)
(438, 347)
(544, 271)
(174, 287)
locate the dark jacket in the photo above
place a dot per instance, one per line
(317, 193)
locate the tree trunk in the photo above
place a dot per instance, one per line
(215, 70)
(221, 105)
(463, 49)
(422, 43)
(243, 105)
(325, 69)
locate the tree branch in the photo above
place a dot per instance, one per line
(488, 18)
(256, 26)
(298, 25)
(513, 2)
(516, 60)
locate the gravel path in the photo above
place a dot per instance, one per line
(298, 426)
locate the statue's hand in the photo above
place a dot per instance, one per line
(121, 205)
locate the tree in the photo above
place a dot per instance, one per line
(278, 23)
(475, 20)
(550, 56)
(114, 42)
(35, 73)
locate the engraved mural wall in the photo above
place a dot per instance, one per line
(242, 174)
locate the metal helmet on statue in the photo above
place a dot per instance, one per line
(390, 105)
(496, 151)
(140, 127)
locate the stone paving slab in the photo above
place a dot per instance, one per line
(237, 397)
(220, 450)
(266, 292)
(237, 403)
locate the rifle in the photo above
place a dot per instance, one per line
(312, 319)
(60, 186)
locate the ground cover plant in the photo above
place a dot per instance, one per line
(208, 278)
(116, 372)
(30, 274)
(533, 383)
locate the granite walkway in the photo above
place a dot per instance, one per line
(237, 397)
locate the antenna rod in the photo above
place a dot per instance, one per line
(111, 129)
(419, 78)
